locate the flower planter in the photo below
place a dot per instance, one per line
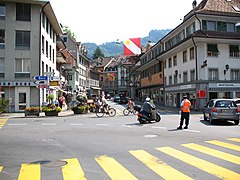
(31, 113)
(51, 113)
(79, 111)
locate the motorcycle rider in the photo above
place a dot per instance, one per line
(147, 107)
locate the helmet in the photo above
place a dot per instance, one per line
(147, 99)
(185, 96)
(129, 98)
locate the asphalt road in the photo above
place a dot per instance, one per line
(87, 147)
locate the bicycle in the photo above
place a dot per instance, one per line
(100, 111)
(128, 110)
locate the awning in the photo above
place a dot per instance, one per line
(97, 88)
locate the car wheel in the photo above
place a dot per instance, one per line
(236, 122)
(211, 120)
(204, 117)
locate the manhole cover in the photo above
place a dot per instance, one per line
(4, 176)
(150, 135)
(48, 163)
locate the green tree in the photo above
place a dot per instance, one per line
(68, 31)
(98, 53)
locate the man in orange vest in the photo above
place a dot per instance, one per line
(185, 110)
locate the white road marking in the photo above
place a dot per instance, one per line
(127, 126)
(191, 130)
(76, 124)
(102, 124)
(17, 124)
(150, 135)
(48, 124)
(158, 127)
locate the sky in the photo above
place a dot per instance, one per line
(100, 21)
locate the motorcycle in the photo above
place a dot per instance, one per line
(143, 118)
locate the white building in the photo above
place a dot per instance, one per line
(28, 33)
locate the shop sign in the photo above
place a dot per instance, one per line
(54, 83)
(201, 94)
(228, 84)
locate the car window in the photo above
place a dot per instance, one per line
(224, 104)
(237, 101)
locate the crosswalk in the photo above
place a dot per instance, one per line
(198, 157)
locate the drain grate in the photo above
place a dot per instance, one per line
(48, 163)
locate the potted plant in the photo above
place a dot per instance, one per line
(51, 110)
(80, 109)
(32, 111)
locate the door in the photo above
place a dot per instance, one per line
(22, 98)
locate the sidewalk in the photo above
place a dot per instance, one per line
(42, 114)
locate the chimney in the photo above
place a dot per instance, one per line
(194, 4)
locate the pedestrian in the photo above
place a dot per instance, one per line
(185, 111)
(56, 102)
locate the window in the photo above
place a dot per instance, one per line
(184, 56)
(234, 51)
(174, 60)
(230, 27)
(185, 77)
(22, 67)
(170, 62)
(191, 53)
(235, 74)
(43, 41)
(221, 26)
(1, 68)
(65, 39)
(2, 11)
(46, 48)
(50, 52)
(53, 55)
(170, 80)
(2, 38)
(192, 75)
(22, 39)
(175, 79)
(43, 20)
(23, 12)
(209, 25)
(47, 25)
(212, 50)
(213, 74)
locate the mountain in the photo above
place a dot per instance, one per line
(115, 49)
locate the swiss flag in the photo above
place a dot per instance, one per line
(132, 46)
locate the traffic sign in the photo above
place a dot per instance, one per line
(41, 82)
(41, 78)
(42, 86)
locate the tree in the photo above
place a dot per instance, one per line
(98, 53)
(69, 32)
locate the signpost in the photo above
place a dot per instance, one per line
(41, 81)
(38, 78)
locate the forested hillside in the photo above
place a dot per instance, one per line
(115, 49)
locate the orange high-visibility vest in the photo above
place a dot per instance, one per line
(186, 105)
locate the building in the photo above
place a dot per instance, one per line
(200, 56)
(28, 35)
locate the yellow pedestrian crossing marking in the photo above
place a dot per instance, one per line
(234, 139)
(114, 169)
(1, 167)
(72, 170)
(30, 172)
(2, 122)
(211, 168)
(225, 145)
(158, 166)
(213, 152)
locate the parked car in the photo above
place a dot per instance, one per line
(123, 100)
(237, 101)
(116, 98)
(221, 110)
(108, 96)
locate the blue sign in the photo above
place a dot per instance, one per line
(41, 78)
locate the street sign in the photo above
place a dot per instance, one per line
(42, 86)
(41, 82)
(41, 78)
(54, 83)
(54, 78)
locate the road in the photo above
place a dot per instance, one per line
(87, 147)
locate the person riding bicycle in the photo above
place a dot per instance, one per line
(105, 104)
(147, 107)
(130, 104)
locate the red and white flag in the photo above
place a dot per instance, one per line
(132, 46)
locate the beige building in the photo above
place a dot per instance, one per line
(28, 35)
(201, 55)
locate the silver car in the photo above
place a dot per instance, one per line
(221, 109)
